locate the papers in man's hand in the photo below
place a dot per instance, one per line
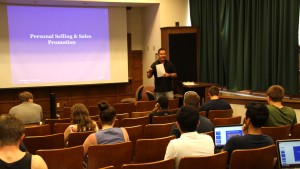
(160, 69)
(188, 83)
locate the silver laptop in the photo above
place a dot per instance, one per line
(223, 133)
(288, 153)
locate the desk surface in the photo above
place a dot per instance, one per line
(198, 85)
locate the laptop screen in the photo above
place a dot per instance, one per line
(223, 133)
(288, 153)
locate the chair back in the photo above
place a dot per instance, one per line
(219, 114)
(127, 122)
(158, 130)
(63, 158)
(37, 130)
(124, 108)
(215, 161)
(173, 103)
(122, 116)
(60, 127)
(145, 105)
(135, 133)
(260, 158)
(227, 121)
(93, 110)
(95, 117)
(174, 110)
(150, 150)
(278, 132)
(295, 131)
(150, 95)
(78, 138)
(202, 113)
(146, 90)
(66, 112)
(34, 143)
(52, 121)
(163, 164)
(108, 167)
(102, 155)
(140, 114)
(164, 119)
(138, 92)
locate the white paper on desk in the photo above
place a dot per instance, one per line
(160, 69)
(188, 83)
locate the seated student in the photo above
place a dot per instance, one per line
(27, 111)
(215, 103)
(161, 108)
(81, 120)
(11, 135)
(279, 115)
(256, 116)
(108, 134)
(192, 98)
(190, 143)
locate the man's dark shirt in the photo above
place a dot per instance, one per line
(163, 84)
(217, 104)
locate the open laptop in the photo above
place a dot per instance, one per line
(288, 153)
(223, 133)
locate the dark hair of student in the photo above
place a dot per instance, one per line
(188, 118)
(258, 114)
(107, 113)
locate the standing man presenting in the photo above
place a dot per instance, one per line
(163, 71)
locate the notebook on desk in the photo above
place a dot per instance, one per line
(223, 133)
(288, 153)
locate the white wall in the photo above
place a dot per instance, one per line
(155, 17)
(134, 26)
(151, 39)
(172, 11)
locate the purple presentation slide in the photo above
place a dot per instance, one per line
(58, 44)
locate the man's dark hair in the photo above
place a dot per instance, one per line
(258, 114)
(213, 91)
(25, 96)
(188, 118)
(191, 98)
(160, 49)
(163, 102)
(276, 93)
(11, 130)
